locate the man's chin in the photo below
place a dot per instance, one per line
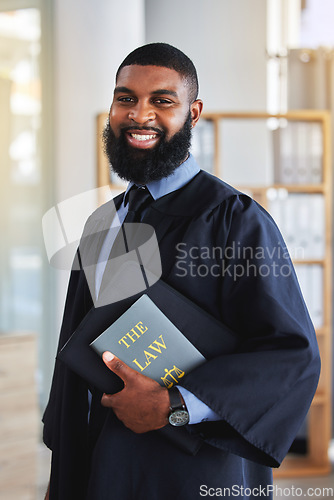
(134, 155)
(138, 153)
(141, 150)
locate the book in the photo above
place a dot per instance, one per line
(210, 337)
(147, 341)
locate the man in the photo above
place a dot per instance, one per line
(244, 407)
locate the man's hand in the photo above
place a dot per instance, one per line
(143, 405)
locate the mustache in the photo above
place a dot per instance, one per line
(154, 129)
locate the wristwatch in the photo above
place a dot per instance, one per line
(178, 412)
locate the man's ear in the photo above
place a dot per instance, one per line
(196, 110)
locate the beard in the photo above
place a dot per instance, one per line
(143, 166)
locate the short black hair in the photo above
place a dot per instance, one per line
(167, 56)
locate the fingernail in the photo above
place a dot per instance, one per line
(108, 356)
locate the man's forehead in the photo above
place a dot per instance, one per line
(155, 77)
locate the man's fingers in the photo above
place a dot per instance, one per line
(107, 400)
(107, 357)
(117, 366)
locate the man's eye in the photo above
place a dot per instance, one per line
(125, 99)
(162, 101)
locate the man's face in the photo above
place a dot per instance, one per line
(150, 123)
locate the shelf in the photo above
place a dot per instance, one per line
(320, 399)
(301, 467)
(323, 331)
(301, 188)
(309, 262)
(297, 115)
(291, 188)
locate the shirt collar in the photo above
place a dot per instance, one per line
(179, 178)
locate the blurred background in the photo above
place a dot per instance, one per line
(58, 60)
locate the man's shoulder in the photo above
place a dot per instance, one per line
(216, 186)
(203, 193)
(209, 194)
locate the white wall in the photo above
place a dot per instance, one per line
(226, 39)
(317, 24)
(91, 40)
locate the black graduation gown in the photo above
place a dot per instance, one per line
(223, 251)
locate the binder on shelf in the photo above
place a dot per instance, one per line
(302, 166)
(316, 226)
(300, 211)
(203, 144)
(300, 217)
(310, 279)
(316, 153)
(284, 154)
(289, 223)
(298, 153)
(317, 296)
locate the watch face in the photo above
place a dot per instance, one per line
(179, 417)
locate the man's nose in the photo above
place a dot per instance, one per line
(142, 112)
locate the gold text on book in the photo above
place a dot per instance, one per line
(150, 353)
(134, 334)
(156, 346)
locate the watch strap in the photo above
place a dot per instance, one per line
(175, 399)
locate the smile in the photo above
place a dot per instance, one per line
(138, 139)
(143, 137)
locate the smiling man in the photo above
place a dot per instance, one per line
(149, 130)
(242, 409)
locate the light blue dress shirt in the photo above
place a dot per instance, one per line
(198, 411)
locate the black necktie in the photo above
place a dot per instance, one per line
(139, 198)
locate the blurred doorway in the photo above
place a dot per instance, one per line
(21, 250)
(21, 179)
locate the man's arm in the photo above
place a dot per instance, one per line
(263, 390)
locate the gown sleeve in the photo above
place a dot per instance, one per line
(263, 391)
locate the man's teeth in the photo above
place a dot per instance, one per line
(143, 137)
